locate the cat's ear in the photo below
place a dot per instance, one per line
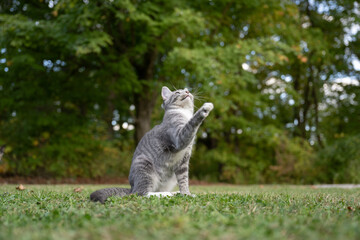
(165, 93)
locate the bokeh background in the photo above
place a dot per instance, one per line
(80, 84)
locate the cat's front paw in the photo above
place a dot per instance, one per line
(206, 109)
(188, 194)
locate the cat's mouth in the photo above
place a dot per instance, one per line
(185, 97)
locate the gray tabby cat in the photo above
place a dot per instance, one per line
(162, 156)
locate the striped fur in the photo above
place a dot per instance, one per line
(161, 159)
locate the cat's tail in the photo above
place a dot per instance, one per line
(103, 194)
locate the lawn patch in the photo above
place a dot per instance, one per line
(226, 212)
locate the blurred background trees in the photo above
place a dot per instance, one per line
(80, 84)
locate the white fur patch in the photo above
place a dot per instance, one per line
(162, 194)
(168, 185)
(177, 157)
(163, 186)
(188, 114)
(155, 181)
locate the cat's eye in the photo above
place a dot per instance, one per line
(177, 92)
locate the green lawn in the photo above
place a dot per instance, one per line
(218, 212)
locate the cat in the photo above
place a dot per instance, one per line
(2, 149)
(161, 159)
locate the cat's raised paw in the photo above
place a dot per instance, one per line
(206, 108)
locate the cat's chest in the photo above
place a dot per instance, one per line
(180, 113)
(186, 114)
(176, 158)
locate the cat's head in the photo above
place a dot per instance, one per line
(181, 98)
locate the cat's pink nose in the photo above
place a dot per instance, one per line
(187, 91)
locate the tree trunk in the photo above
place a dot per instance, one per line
(297, 130)
(307, 99)
(316, 109)
(109, 114)
(306, 107)
(144, 103)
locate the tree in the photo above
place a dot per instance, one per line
(77, 76)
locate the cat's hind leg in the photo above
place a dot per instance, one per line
(142, 177)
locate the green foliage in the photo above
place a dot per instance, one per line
(76, 153)
(340, 161)
(280, 159)
(270, 212)
(73, 73)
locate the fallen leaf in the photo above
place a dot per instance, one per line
(20, 187)
(350, 208)
(79, 189)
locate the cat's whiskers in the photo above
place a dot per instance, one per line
(198, 97)
(197, 94)
(173, 86)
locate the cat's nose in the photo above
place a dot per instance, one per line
(186, 90)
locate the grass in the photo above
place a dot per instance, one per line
(218, 212)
